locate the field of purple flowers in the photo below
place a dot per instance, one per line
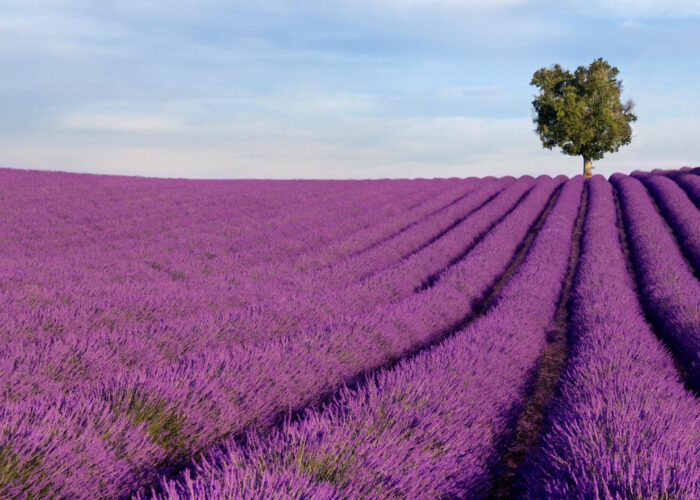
(434, 338)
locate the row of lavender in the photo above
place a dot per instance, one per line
(424, 290)
(621, 425)
(680, 213)
(73, 379)
(669, 290)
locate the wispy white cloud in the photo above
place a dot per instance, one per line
(469, 4)
(123, 123)
(639, 8)
(634, 24)
(599, 8)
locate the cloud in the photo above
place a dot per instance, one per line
(46, 24)
(633, 24)
(473, 4)
(639, 8)
(121, 123)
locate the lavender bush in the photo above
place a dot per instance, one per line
(690, 182)
(680, 212)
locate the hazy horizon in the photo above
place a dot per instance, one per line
(310, 89)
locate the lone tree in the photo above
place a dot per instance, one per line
(582, 112)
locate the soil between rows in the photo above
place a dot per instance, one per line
(546, 379)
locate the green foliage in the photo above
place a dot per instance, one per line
(164, 424)
(327, 468)
(19, 474)
(331, 467)
(582, 112)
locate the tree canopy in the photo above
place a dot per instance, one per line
(581, 112)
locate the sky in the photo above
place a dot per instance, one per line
(331, 89)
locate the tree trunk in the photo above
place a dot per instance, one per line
(587, 168)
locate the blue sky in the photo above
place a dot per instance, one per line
(331, 89)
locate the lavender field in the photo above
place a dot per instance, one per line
(444, 338)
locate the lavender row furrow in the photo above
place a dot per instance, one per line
(669, 291)
(680, 212)
(179, 404)
(622, 425)
(428, 428)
